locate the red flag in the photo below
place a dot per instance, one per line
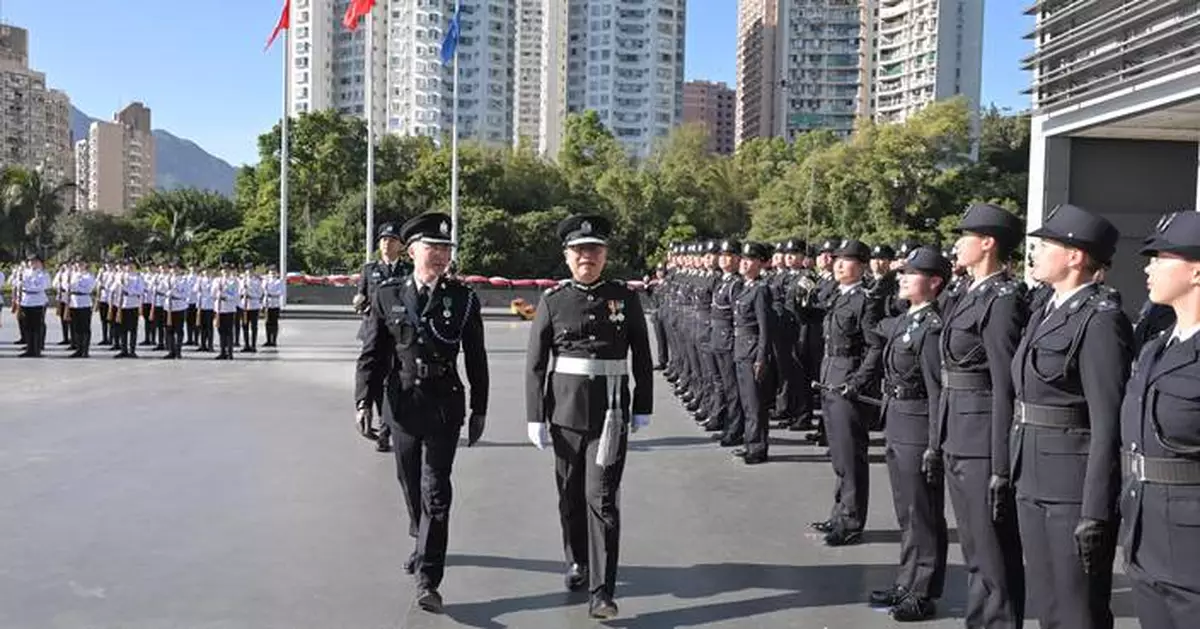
(282, 25)
(357, 9)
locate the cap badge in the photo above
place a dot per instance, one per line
(444, 227)
(845, 243)
(586, 227)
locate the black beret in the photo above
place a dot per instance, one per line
(1177, 233)
(883, 252)
(853, 249)
(430, 227)
(991, 220)
(1079, 228)
(927, 260)
(756, 250)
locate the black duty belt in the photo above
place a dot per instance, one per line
(900, 392)
(1050, 416)
(842, 352)
(432, 370)
(966, 380)
(748, 328)
(1161, 471)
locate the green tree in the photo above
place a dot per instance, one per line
(31, 205)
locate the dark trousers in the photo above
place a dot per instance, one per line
(238, 326)
(1165, 606)
(272, 326)
(1061, 594)
(148, 325)
(205, 332)
(190, 324)
(160, 327)
(787, 402)
(81, 330)
(846, 430)
(423, 464)
(127, 337)
(991, 551)
(65, 326)
(660, 341)
(921, 513)
(174, 322)
(33, 328)
(249, 322)
(752, 393)
(105, 339)
(713, 391)
(732, 420)
(225, 331)
(588, 508)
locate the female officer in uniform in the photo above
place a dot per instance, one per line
(1160, 433)
(577, 398)
(979, 337)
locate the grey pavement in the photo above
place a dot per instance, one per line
(197, 494)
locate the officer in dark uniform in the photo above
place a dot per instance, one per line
(801, 331)
(724, 299)
(786, 373)
(959, 282)
(372, 275)
(851, 355)
(411, 341)
(1153, 319)
(815, 315)
(1068, 375)
(710, 389)
(979, 338)
(1160, 435)
(656, 290)
(753, 330)
(912, 371)
(583, 338)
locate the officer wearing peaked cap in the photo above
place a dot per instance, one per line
(708, 415)
(1160, 436)
(1068, 373)
(978, 343)
(851, 354)
(753, 330)
(416, 329)
(724, 299)
(388, 266)
(786, 372)
(588, 338)
(911, 387)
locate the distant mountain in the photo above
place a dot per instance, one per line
(179, 163)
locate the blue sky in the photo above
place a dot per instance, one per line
(205, 76)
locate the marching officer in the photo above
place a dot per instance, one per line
(224, 290)
(584, 336)
(33, 299)
(753, 334)
(851, 353)
(1160, 434)
(979, 339)
(80, 284)
(175, 310)
(723, 301)
(374, 273)
(411, 341)
(912, 371)
(273, 285)
(1068, 375)
(252, 292)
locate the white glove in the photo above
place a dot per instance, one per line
(639, 422)
(539, 434)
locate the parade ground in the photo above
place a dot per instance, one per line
(197, 494)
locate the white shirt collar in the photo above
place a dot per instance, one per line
(845, 288)
(975, 284)
(915, 309)
(1058, 300)
(1183, 335)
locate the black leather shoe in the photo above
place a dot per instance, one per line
(887, 598)
(822, 527)
(729, 443)
(914, 609)
(755, 459)
(429, 600)
(660, 367)
(382, 445)
(739, 452)
(410, 566)
(711, 426)
(576, 578)
(602, 606)
(842, 537)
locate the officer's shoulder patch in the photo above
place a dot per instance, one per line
(554, 289)
(1006, 288)
(934, 321)
(1107, 304)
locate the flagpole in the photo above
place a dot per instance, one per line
(370, 109)
(454, 151)
(283, 173)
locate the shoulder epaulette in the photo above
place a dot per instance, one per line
(557, 287)
(1007, 287)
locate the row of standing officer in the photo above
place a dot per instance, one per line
(173, 302)
(1016, 412)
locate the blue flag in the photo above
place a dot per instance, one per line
(450, 42)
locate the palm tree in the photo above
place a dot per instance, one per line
(30, 200)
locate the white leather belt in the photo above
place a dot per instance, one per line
(588, 366)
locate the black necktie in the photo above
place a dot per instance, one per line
(422, 298)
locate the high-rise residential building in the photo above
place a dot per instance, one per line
(821, 51)
(921, 51)
(412, 89)
(527, 94)
(35, 121)
(712, 105)
(621, 58)
(758, 77)
(115, 165)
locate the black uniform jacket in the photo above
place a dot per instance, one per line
(602, 321)
(1077, 358)
(753, 322)
(1160, 418)
(724, 295)
(418, 353)
(851, 346)
(911, 375)
(980, 335)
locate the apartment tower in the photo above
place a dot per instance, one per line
(35, 121)
(712, 105)
(115, 165)
(758, 77)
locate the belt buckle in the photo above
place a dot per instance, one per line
(1137, 466)
(1019, 411)
(422, 370)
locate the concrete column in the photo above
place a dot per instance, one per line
(1049, 174)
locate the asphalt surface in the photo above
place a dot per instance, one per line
(197, 494)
